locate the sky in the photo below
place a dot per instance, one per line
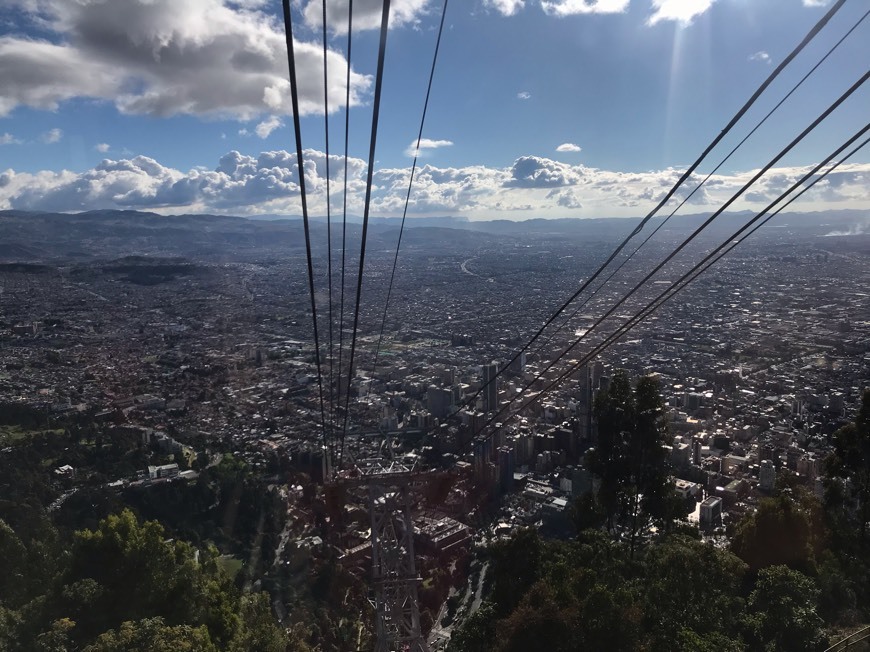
(539, 108)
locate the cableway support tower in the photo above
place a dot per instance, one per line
(394, 571)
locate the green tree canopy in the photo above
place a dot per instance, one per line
(781, 531)
(782, 612)
(153, 635)
(691, 585)
(850, 462)
(630, 456)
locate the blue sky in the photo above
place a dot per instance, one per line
(540, 108)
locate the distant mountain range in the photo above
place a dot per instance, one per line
(575, 225)
(27, 236)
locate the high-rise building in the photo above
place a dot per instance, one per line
(482, 459)
(767, 476)
(581, 480)
(506, 465)
(584, 402)
(490, 392)
(696, 452)
(439, 401)
(711, 511)
(448, 376)
(597, 373)
(518, 366)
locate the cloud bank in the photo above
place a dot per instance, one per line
(269, 183)
(366, 14)
(163, 57)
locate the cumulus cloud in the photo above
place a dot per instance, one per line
(366, 14)
(471, 188)
(505, 7)
(51, 136)
(573, 7)
(268, 126)
(426, 143)
(681, 11)
(565, 199)
(537, 172)
(40, 74)
(8, 139)
(568, 147)
(102, 147)
(162, 57)
(269, 183)
(524, 95)
(761, 55)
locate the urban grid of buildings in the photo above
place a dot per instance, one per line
(758, 362)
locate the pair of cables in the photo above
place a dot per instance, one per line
(297, 128)
(696, 271)
(702, 266)
(328, 437)
(667, 197)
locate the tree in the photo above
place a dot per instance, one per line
(691, 586)
(781, 531)
(259, 631)
(515, 567)
(850, 462)
(153, 635)
(127, 577)
(614, 413)
(587, 513)
(540, 622)
(649, 479)
(630, 456)
(56, 639)
(13, 569)
(782, 612)
(478, 632)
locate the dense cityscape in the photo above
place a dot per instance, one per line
(156, 361)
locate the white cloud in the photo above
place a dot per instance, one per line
(505, 7)
(816, 3)
(40, 74)
(568, 147)
(9, 139)
(564, 198)
(268, 126)
(163, 57)
(537, 172)
(761, 55)
(102, 147)
(366, 14)
(573, 7)
(426, 143)
(681, 11)
(524, 95)
(51, 136)
(269, 183)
